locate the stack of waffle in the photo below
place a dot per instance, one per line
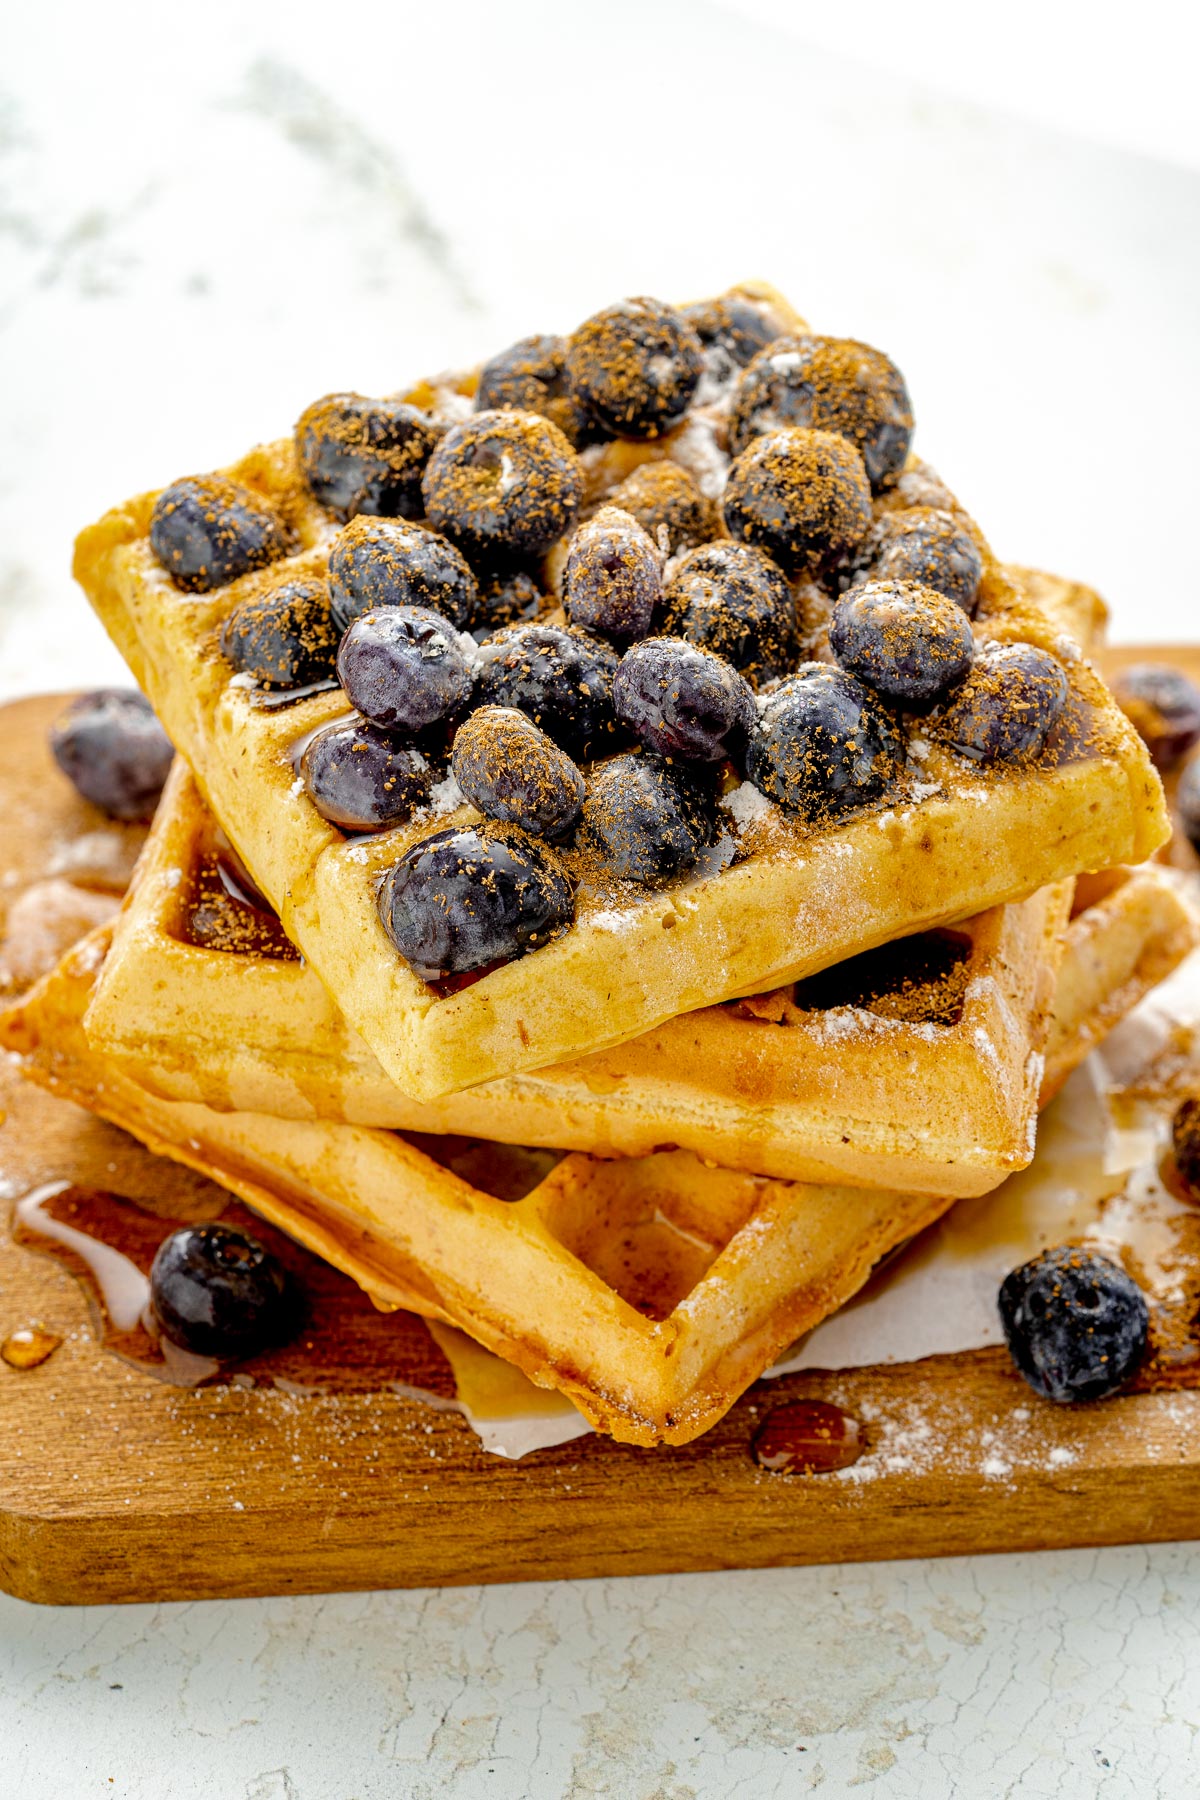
(642, 1158)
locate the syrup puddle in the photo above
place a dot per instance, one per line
(29, 1347)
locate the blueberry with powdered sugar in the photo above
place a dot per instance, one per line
(684, 702)
(404, 667)
(648, 820)
(390, 562)
(822, 744)
(514, 773)
(359, 455)
(358, 777)
(634, 367)
(559, 677)
(284, 637)
(503, 485)
(1075, 1324)
(612, 582)
(909, 643)
(206, 530)
(929, 545)
(1007, 705)
(466, 898)
(802, 496)
(733, 600)
(829, 384)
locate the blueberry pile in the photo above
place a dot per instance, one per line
(546, 610)
(1075, 1324)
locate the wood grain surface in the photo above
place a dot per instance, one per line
(326, 1473)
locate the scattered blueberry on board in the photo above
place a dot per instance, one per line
(365, 456)
(1164, 707)
(463, 899)
(217, 1292)
(111, 747)
(389, 562)
(206, 530)
(1075, 1324)
(358, 777)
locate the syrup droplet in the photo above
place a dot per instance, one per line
(28, 1346)
(807, 1437)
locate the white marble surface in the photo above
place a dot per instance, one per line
(202, 228)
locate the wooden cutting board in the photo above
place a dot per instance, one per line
(327, 1474)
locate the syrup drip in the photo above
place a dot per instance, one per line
(807, 1437)
(29, 1346)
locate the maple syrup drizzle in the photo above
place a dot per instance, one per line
(807, 1437)
(29, 1346)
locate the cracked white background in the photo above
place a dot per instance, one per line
(208, 219)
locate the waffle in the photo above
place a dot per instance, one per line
(953, 840)
(651, 1290)
(925, 1075)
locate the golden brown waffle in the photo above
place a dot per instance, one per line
(915, 1067)
(955, 838)
(650, 1290)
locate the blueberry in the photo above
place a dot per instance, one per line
(683, 702)
(468, 897)
(1006, 706)
(1187, 804)
(647, 820)
(503, 484)
(733, 600)
(822, 744)
(111, 747)
(561, 678)
(388, 562)
(513, 772)
(508, 598)
(365, 456)
(802, 496)
(668, 506)
(922, 543)
(1185, 1142)
(284, 637)
(361, 779)
(1075, 1324)
(732, 331)
(1164, 707)
(831, 384)
(217, 1292)
(403, 667)
(612, 582)
(207, 530)
(909, 643)
(525, 376)
(635, 367)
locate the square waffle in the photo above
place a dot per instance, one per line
(915, 1066)
(650, 1290)
(951, 840)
